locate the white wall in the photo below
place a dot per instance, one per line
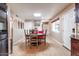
(68, 24)
(40, 27)
(28, 25)
(18, 33)
(58, 36)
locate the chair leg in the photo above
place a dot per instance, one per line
(29, 44)
(45, 41)
(26, 43)
(37, 44)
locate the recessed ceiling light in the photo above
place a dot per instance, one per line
(37, 15)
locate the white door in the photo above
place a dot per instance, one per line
(68, 25)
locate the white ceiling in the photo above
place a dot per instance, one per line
(26, 10)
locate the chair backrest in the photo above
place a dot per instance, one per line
(25, 33)
(42, 32)
(35, 31)
(30, 31)
(45, 32)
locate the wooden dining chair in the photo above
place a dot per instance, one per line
(33, 39)
(27, 37)
(42, 38)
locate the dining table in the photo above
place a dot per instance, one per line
(36, 35)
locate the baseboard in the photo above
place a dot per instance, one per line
(58, 42)
(66, 48)
(15, 43)
(62, 45)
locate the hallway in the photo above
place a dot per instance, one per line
(29, 20)
(50, 29)
(52, 49)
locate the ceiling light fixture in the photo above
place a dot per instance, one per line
(37, 15)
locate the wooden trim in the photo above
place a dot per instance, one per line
(55, 20)
(45, 22)
(66, 48)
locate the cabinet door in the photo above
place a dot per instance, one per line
(3, 47)
(3, 30)
(75, 47)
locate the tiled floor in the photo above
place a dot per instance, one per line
(52, 49)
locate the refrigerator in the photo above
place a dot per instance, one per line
(3, 30)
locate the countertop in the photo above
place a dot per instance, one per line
(75, 37)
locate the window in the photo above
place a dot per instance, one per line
(56, 26)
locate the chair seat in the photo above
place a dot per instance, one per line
(41, 37)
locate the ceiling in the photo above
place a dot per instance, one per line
(26, 10)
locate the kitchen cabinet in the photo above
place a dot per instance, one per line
(75, 46)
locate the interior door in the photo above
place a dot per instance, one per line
(68, 25)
